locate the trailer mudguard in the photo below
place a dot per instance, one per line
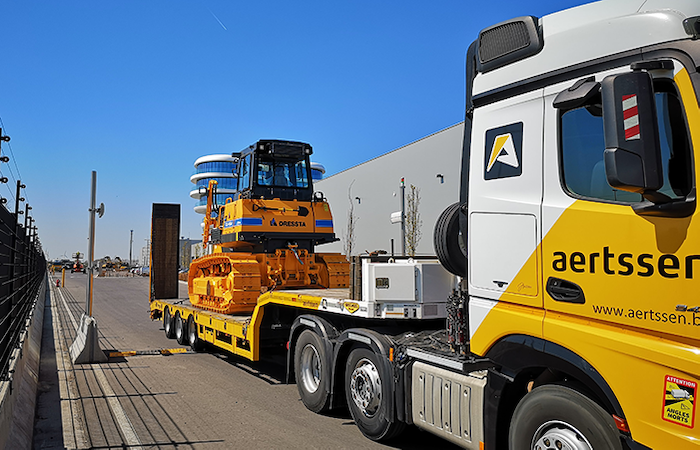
(380, 345)
(323, 329)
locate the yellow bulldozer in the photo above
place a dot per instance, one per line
(265, 236)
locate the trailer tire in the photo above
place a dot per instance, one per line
(168, 323)
(180, 333)
(557, 413)
(192, 336)
(449, 243)
(311, 371)
(365, 395)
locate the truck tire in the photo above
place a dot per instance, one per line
(365, 396)
(311, 371)
(552, 417)
(180, 333)
(192, 337)
(168, 324)
(450, 245)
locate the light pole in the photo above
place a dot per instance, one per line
(86, 347)
(403, 218)
(131, 244)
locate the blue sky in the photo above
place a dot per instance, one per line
(137, 90)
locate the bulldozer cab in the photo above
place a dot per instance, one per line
(275, 169)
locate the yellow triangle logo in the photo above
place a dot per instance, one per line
(503, 151)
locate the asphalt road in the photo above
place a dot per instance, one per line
(189, 400)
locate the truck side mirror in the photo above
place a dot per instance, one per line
(632, 149)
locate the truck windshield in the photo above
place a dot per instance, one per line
(283, 173)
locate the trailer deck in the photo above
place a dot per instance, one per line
(240, 334)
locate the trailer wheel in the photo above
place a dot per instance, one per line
(180, 333)
(450, 244)
(557, 417)
(365, 396)
(192, 337)
(168, 323)
(311, 371)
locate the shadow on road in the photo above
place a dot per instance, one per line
(273, 371)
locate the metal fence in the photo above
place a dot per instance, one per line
(22, 271)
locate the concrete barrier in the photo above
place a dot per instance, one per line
(18, 392)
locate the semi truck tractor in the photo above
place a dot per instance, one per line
(564, 310)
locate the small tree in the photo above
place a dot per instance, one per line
(198, 250)
(349, 233)
(413, 221)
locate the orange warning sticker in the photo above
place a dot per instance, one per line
(679, 401)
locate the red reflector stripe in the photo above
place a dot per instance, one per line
(627, 113)
(630, 115)
(632, 132)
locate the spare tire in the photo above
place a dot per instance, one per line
(450, 244)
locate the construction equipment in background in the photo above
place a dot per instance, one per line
(77, 265)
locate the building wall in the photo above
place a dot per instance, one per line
(374, 187)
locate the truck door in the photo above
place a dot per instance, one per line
(622, 285)
(504, 214)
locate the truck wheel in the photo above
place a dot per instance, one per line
(180, 333)
(365, 396)
(449, 243)
(311, 371)
(557, 417)
(192, 337)
(168, 324)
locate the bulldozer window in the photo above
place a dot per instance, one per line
(244, 178)
(282, 173)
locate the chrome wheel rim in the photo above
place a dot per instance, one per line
(556, 435)
(167, 321)
(178, 326)
(310, 368)
(366, 387)
(192, 329)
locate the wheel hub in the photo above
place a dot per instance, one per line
(192, 329)
(310, 368)
(366, 387)
(555, 435)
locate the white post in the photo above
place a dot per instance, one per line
(91, 245)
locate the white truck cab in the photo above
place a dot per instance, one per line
(578, 205)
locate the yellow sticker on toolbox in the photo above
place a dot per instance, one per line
(351, 307)
(679, 401)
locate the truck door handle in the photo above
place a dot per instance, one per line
(565, 291)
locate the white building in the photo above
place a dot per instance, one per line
(223, 169)
(432, 164)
